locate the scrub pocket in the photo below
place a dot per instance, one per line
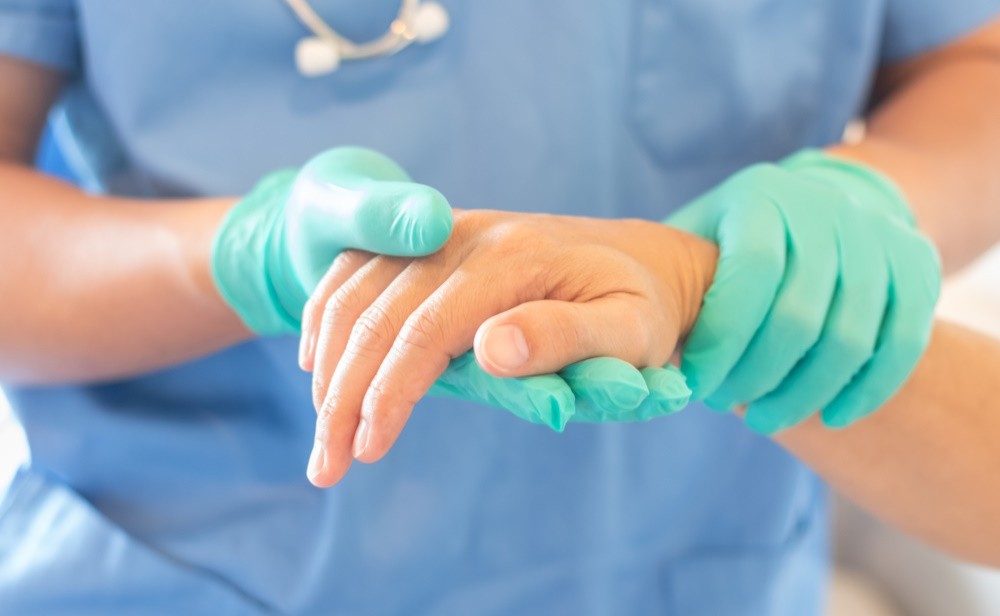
(717, 80)
(58, 555)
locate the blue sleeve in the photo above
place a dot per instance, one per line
(41, 31)
(915, 26)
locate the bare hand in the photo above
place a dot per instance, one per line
(531, 293)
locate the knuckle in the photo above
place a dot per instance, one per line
(327, 409)
(384, 398)
(423, 331)
(373, 329)
(379, 391)
(468, 223)
(349, 259)
(346, 301)
(345, 263)
(509, 238)
(432, 267)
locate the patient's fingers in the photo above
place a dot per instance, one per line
(352, 348)
(342, 310)
(343, 267)
(440, 329)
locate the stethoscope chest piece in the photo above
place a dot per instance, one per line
(315, 56)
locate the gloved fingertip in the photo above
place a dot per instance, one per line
(535, 401)
(667, 382)
(615, 396)
(553, 409)
(608, 383)
(626, 396)
(667, 390)
(762, 421)
(838, 418)
(693, 376)
(846, 410)
(429, 219)
(719, 403)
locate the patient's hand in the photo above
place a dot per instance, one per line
(532, 293)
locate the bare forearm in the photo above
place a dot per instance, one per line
(936, 133)
(98, 288)
(928, 461)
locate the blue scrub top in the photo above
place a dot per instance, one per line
(184, 491)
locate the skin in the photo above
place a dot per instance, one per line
(926, 462)
(92, 315)
(935, 131)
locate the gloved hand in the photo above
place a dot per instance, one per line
(602, 389)
(610, 390)
(275, 245)
(823, 297)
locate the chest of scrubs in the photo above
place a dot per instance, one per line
(184, 492)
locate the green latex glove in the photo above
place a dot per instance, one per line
(610, 390)
(275, 245)
(823, 297)
(603, 389)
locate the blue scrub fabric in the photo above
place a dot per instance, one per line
(184, 491)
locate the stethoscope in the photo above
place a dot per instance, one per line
(422, 21)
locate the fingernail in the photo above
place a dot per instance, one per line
(505, 347)
(305, 349)
(317, 461)
(361, 438)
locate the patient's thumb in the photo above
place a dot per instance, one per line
(547, 335)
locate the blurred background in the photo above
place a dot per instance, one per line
(880, 572)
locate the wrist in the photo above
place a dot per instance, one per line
(199, 254)
(245, 264)
(865, 185)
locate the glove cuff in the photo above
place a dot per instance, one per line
(868, 187)
(243, 257)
